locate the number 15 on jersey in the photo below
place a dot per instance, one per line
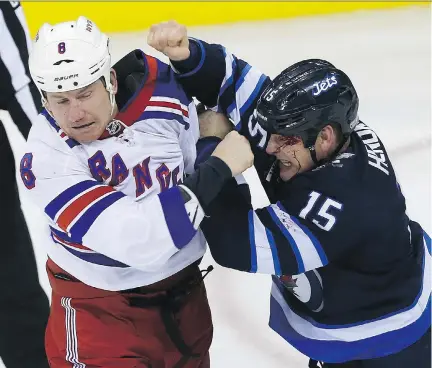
(324, 218)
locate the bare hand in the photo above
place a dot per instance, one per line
(171, 39)
(235, 151)
(214, 124)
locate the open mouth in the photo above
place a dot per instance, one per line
(84, 126)
(286, 163)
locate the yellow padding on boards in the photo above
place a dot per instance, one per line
(125, 16)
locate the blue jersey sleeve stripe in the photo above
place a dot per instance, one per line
(428, 241)
(253, 95)
(254, 264)
(230, 79)
(242, 77)
(239, 80)
(275, 255)
(176, 217)
(285, 232)
(227, 84)
(231, 107)
(314, 240)
(201, 62)
(238, 84)
(58, 202)
(82, 226)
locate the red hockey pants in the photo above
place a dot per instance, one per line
(164, 325)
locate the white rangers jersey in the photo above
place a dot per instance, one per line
(116, 219)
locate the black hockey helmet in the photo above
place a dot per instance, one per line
(304, 98)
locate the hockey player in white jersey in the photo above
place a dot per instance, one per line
(105, 162)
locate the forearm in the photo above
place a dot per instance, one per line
(208, 180)
(202, 74)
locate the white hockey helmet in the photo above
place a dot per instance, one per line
(70, 55)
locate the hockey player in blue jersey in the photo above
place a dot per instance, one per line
(351, 272)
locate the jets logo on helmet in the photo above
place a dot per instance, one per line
(306, 97)
(324, 85)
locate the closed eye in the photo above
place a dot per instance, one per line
(85, 95)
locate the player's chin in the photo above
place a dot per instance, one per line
(287, 173)
(88, 135)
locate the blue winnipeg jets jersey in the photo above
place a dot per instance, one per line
(351, 272)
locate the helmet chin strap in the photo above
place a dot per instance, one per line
(45, 104)
(329, 158)
(312, 152)
(109, 88)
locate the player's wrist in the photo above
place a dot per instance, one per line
(192, 62)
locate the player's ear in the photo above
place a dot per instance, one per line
(46, 104)
(325, 133)
(113, 80)
(326, 139)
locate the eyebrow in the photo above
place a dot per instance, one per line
(84, 89)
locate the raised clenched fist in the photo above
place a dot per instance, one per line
(171, 39)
